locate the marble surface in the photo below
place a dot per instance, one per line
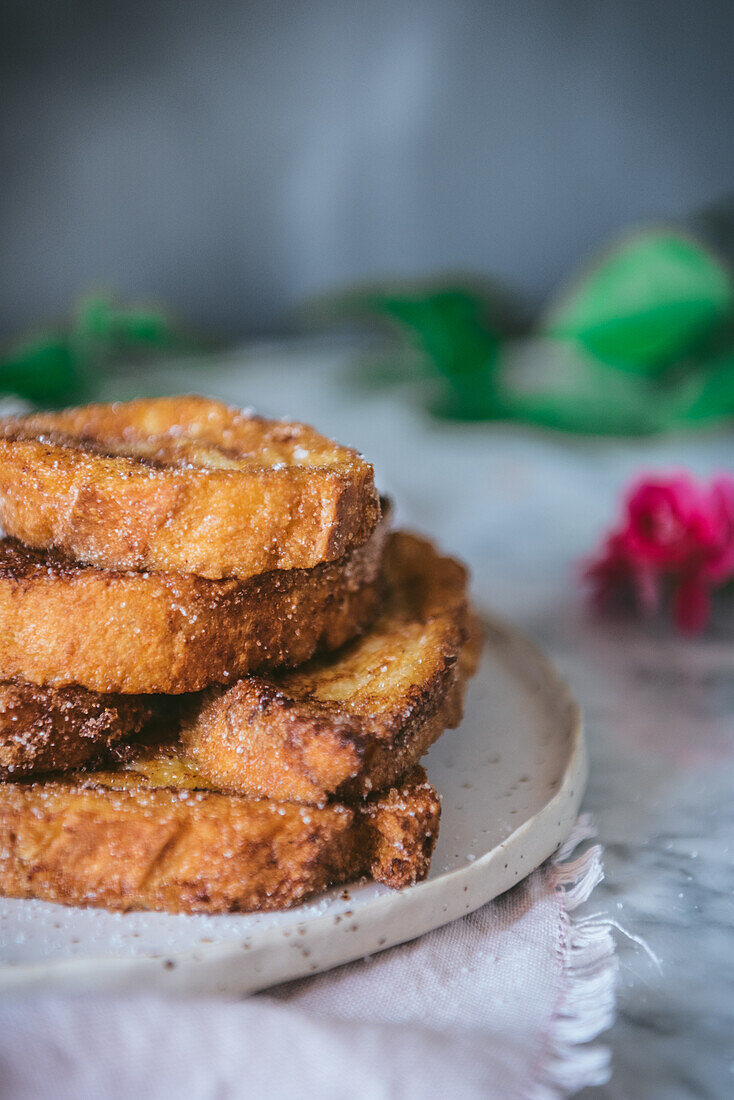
(522, 508)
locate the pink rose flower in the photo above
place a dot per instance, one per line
(720, 565)
(675, 535)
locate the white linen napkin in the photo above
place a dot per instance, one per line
(499, 1004)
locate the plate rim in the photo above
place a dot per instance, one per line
(238, 967)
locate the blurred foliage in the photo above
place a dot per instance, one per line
(646, 339)
(648, 303)
(65, 365)
(641, 342)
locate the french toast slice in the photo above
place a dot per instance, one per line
(62, 623)
(360, 718)
(182, 485)
(55, 729)
(151, 835)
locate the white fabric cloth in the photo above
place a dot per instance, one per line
(496, 1005)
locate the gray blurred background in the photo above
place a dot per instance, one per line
(229, 159)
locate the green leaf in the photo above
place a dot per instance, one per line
(57, 368)
(655, 299)
(43, 369)
(448, 325)
(451, 328)
(455, 324)
(104, 328)
(706, 395)
(551, 384)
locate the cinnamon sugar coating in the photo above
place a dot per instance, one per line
(182, 485)
(54, 729)
(356, 720)
(146, 633)
(151, 836)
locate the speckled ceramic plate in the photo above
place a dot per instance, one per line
(511, 780)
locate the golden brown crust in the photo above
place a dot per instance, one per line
(357, 720)
(136, 633)
(182, 485)
(53, 729)
(148, 837)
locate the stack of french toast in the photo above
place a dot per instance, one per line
(219, 667)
